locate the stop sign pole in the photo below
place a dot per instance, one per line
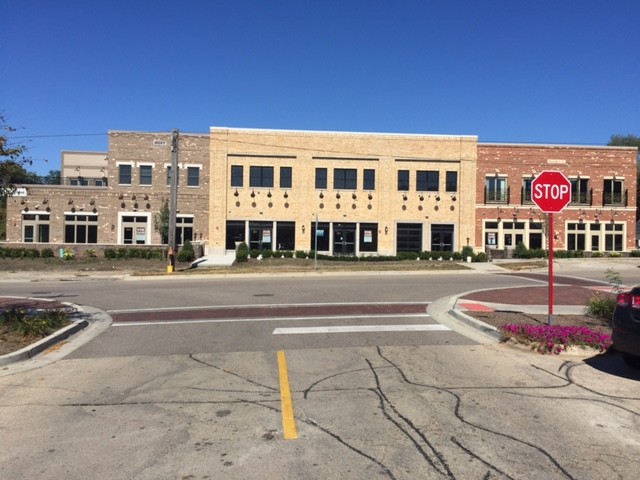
(551, 192)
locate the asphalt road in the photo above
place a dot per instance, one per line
(192, 382)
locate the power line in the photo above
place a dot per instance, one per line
(59, 135)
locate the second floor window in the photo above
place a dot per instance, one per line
(237, 172)
(369, 179)
(345, 178)
(193, 176)
(580, 194)
(496, 190)
(321, 178)
(124, 174)
(427, 180)
(145, 174)
(526, 191)
(452, 182)
(403, 180)
(613, 192)
(261, 177)
(285, 177)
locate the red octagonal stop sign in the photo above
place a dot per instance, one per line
(551, 191)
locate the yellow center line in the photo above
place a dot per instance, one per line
(288, 420)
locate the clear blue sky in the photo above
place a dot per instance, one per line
(506, 70)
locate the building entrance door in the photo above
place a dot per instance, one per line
(260, 235)
(344, 239)
(442, 238)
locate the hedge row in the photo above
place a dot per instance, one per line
(148, 253)
(426, 255)
(22, 252)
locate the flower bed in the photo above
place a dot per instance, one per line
(555, 338)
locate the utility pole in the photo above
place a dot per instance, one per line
(173, 202)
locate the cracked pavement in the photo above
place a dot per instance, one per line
(450, 412)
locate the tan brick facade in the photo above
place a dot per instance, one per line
(381, 208)
(115, 202)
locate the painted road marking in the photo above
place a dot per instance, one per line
(361, 329)
(263, 319)
(288, 420)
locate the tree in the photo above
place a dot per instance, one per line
(12, 160)
(52, 178)
(161, 220)
(630, 140)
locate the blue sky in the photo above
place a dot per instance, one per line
(505, 70)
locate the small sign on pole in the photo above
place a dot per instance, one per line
(551, 192)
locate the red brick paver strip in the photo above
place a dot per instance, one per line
(266, 312)
(475, 307)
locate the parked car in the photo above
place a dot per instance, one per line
(626, 326)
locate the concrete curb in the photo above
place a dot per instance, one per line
(444, 312)
(482, 327)
(40, 346)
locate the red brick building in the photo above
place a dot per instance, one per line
(602, 213)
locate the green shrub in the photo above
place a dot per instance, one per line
(408, 255)
(242, 253)
(16, 252)
(266, 253)
(90, 253)
(31, 253)
(186, 253)
(480, 257)
(110, 253)
(634, 253)
(597, 254)
(286, 253)
(467, 251)
(47, 253)
(300, 254)
(521, 251)
(68, 254)
(601, 305)
(34, 323)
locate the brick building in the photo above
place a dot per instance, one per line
(118, 206)
(368, 194)
(600, 217)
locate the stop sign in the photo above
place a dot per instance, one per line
(551, 191)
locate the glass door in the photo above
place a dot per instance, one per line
(442, 238)
(344, 239)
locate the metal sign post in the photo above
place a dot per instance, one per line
(550, 234)
(551, 192)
